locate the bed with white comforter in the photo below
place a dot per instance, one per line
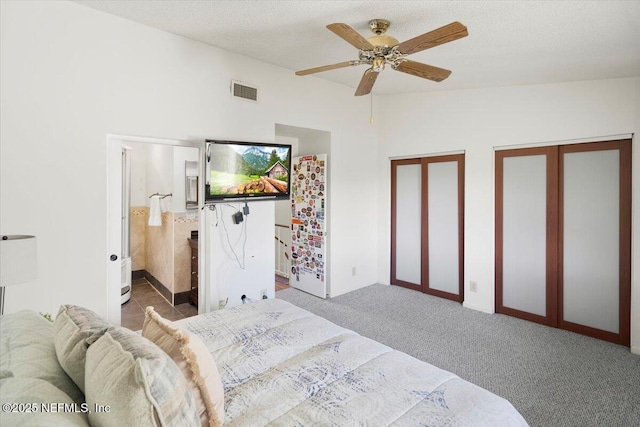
(282, 365)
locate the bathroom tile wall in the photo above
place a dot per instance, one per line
(159, 251)
(163, 251)
(139, 219)
(183, 225)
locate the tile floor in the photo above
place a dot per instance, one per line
(143, 295)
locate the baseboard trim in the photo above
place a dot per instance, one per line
(181, 298)
(473, 307)
(138, 274)
(635, 350)
(166, 293)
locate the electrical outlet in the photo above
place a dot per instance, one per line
(353, 271)
(263, 294)
(473, 286)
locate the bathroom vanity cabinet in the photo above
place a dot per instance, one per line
(193, 295)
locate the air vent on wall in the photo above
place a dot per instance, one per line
(244, 91)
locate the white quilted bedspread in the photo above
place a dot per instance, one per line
(281, 365)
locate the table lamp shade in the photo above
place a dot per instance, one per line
(18, 261)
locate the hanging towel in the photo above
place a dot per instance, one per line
(163, 206)
(155, 212)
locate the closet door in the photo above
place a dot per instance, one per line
(595, 239)
(445, 214)
(406, 223)
(427, 214)
(526, 229)
(563, 237)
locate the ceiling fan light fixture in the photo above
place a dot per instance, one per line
(383, 40)
(381, 49)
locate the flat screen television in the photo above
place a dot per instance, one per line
(246, 170)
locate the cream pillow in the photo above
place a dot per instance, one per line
(27, 350)
(195, 362)
(76, 329)
(139, 383)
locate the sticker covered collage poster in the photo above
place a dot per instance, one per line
(308, 196)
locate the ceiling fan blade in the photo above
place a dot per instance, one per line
(366, 83)
(350, 36)
(326, 68)
(423, 70)
(442, 35)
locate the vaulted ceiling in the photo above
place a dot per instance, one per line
(509, 42)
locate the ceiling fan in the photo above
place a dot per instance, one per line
(381, 49)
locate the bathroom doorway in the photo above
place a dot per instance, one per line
(154, 235)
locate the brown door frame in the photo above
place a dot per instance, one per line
(624, 240)
(551, 154)
(394, 200)
(423, 286)
(554, 273)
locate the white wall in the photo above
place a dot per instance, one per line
(70, 75)
(160, 172)
(478, 120)
(240, 262)
(160, 169)
(138, 157)
(283, 207)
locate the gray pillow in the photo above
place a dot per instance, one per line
(27, 351)
(141, 384)
(76, 329)
(32, 392)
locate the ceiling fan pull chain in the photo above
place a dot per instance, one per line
(371, 115)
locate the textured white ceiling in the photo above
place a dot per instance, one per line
(509, 42)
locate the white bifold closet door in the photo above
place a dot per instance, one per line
(427, 225)
(563, 237)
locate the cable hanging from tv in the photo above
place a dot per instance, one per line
(219, 212)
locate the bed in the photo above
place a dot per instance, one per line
(263, 363)
(283, 365)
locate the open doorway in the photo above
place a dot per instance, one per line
(154, 218)
(304, 141)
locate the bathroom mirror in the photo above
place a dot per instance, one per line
(191, 185)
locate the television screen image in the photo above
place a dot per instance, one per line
(246, 170)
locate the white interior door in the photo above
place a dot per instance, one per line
(308, 224)
(114, 226)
